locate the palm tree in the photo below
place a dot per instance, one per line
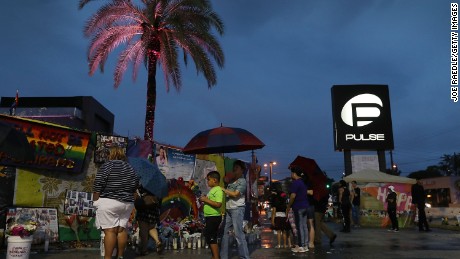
(154, 32)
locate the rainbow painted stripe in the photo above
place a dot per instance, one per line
(181, 198)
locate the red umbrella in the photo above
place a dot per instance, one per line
(222, 140)
(316, 177)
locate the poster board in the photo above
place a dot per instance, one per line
(104, 143)
(362, 162)
(174, 163)
(57, 148)
(79, 203)
(46, 218)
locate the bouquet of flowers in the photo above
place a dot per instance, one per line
(23, 230)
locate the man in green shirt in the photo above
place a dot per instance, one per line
(212, 203)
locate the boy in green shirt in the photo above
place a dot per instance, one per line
(212, 203)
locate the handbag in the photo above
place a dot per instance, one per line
(145, 201)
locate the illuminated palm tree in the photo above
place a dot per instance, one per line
(153, 33)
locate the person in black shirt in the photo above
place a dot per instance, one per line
(418, 198)
(279, 217)
(345, 205)
(320, 226)
(391, 208)
(148, 218)
(356, 202)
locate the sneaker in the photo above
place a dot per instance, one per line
(298, 249)
(396, 230)
(305, 249)
(391, 229)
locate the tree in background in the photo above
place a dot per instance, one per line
(449, 164)
(153, 34)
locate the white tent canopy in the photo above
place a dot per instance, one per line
(374, 176)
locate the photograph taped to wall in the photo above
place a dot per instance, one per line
(79, 203)
(103, 145)
(46, 218)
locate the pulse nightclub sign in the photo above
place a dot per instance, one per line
(362, 117)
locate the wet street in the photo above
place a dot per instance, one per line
(360, 243)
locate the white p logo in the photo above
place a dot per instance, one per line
(361, 110)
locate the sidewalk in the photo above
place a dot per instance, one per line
(360, 243)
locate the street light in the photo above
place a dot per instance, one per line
(271, 164)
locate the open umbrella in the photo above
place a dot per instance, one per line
(14, 144)
(316, 177)
(222, 140)
(150, 175)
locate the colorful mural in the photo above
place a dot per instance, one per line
(181, 202)
(373, 204)
(56, 147)
(48, 189)
(7, 180)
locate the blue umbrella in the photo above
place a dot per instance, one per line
(150, 175)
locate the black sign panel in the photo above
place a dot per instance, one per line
(362, 117)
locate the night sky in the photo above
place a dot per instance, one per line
(282, 58)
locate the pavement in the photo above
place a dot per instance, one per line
(363, 242)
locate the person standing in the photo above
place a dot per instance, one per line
(391, 208)
(113, 194)
(418, 198)
(212, 215)
(279, 217)
(298, 201)
(235, 209)
(320, 210)
(356, 203)
(310, 216)
(345, 205)
(148, 218)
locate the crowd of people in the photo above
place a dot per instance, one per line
(309, 213)
(297, 217)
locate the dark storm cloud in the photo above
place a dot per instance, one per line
(282, 57)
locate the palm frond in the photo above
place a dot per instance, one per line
(169, 62)
(113, 15)
(126, 57)
(106, 41)
(137, 61)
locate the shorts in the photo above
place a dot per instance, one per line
(212, 228)
(311, 212)
(281, 223)
(112, 213)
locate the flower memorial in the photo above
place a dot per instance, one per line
(25, 229)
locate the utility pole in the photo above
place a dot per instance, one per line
(391, 160)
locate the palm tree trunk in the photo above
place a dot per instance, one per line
(151, 97)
